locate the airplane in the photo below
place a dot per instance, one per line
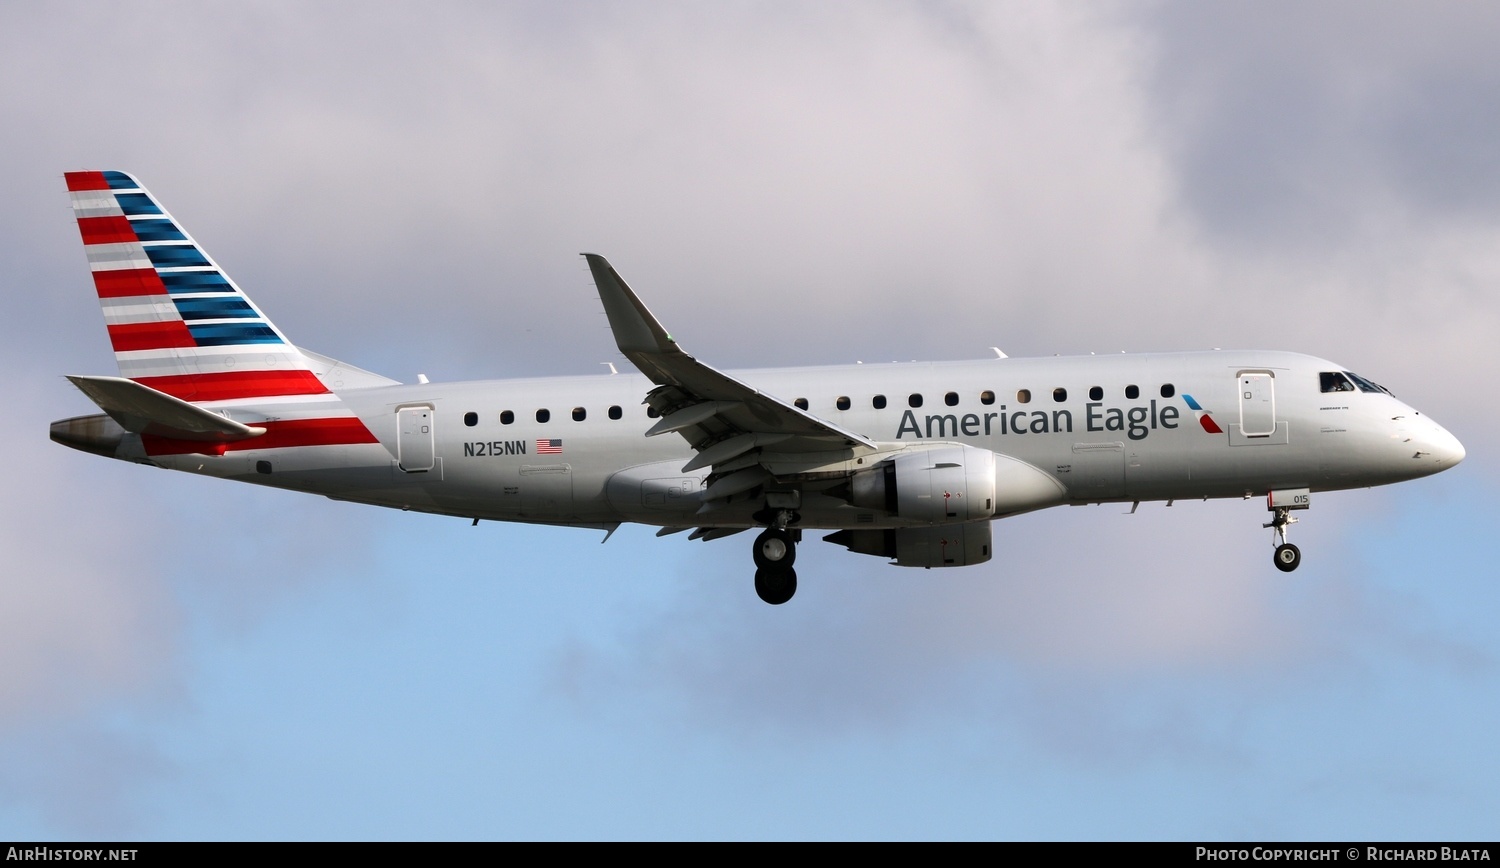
(908, 462)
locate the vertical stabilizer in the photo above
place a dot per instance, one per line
(187, 334)
(177, 322)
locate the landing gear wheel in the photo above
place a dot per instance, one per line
(775, 586)
(1287, 556)
(774, 550)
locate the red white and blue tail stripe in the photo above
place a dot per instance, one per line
(181, 326)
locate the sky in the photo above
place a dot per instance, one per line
(407, 187)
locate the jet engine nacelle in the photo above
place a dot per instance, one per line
(952, 545)
(939, 485)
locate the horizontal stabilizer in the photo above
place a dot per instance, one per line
(143, 410)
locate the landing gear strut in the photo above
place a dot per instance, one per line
(1281, 503)
(775, 551)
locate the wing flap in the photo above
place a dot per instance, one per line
(690, 415)
(730, 448)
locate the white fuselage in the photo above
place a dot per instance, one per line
(1068, 417)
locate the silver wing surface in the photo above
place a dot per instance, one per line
(728, 423)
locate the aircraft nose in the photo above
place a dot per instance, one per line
(1447, 448)
(1439, 446)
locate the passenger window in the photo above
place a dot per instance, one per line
(1168, 390)
(986, 397)
(543, 415)
(878, 402)
(1132, 392)
(1023, 396)
(471, 418)
(951, 399)
(914, 400)
(651, 412)
(800, 403)
(579, 414)
(842, 403)
(1059, 394)
(507, 417)
(615, 412)
(1096, 393)
(1333, 381)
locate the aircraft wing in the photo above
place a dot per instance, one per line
(725, 420)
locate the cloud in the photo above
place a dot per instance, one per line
(1309, 126)
(1167, 592)
(899, 181)
(88, 614)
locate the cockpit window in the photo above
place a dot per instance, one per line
(1333, 381)
(1366, 385)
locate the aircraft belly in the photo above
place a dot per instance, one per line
(656, 493)
(315, 469)
(1154, 473)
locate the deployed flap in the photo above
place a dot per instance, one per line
(712, 407)
(143, 410)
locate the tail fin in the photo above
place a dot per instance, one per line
(177, 322)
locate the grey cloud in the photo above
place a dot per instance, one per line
(1292, 122)
(87, 615)
(1179, 592)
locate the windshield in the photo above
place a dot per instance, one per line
(1366, 385)
(1333, 381)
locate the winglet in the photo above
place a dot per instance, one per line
(636, 330)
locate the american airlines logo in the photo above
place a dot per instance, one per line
(1204, 418)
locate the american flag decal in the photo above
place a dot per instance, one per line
(549, 447)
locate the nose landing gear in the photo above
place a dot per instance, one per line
(1287, 557)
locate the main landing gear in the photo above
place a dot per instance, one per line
(775, 551)
(1281, 503)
